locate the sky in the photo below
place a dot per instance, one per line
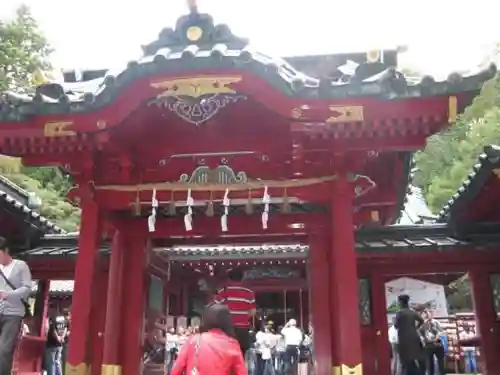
(442, 35)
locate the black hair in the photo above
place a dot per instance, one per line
(404, 300)
(236, 274)
(217, 317)
(4, 246)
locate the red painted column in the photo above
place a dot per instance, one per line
(111, 364)
(134, 295)
(88, 244)
(98, 316)
(486, 320)
(379, 322)
(344, 281)
(319, 247)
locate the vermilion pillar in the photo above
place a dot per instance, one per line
(379, 322)
(486, 320)
(134, 296)
(319, 247)
(111, 364)
(344, 281)
(88, 245)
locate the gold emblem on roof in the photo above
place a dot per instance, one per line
(58, 129)
(351, 113)
(194, 33)
(195, 87)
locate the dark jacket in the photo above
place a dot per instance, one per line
(408, 323)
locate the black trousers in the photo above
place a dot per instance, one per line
(10, 328)
(438, 352)
(413, 367)
(243, 337)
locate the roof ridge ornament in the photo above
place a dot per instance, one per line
(194, 29)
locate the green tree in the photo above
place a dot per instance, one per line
(24, 50)
(449, 156)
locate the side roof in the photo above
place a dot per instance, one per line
(396, 238)
(197, 44)
(19, 200)
(485, 169)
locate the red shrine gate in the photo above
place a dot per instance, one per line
(207, 140)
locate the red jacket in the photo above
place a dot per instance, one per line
(217, 354)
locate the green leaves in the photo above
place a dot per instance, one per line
(23, 49)
(448, 158)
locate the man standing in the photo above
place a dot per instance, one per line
(411, 351)
(433, 334)
(241, 303)
(15, 288)
(293, 339)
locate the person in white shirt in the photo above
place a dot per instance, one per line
(267, 344)
(293, 337)
(396, 368)
(15, 289)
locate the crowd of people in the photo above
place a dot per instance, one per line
(229, 312)
(271, 352)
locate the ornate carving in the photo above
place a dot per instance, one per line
(195, 87)
(363, 184)
(58, 129)
(196, 110)
(223, 175)
(347, 370)
(80, 369)
(349, 113)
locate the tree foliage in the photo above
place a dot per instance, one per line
(23, 50)
(449, 156)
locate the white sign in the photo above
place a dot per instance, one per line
(420, 292)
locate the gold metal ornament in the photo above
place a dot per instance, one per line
(350, 113)
(80, 369)
(194, 33)
(54, 129)
(452, 109)
(347, 370)
(195, 87)
(111, 370)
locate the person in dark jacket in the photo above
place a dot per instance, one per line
(410, 348)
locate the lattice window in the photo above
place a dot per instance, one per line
(365, 302)
(495, 287)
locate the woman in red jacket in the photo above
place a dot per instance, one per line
(215, 350)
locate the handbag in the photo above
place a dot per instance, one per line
(27, 309)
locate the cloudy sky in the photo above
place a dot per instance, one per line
(443, 35)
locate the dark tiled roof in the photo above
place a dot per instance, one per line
(407, 238)
(218, 48)
(22, 207)
(56, 286)
(482, 171)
